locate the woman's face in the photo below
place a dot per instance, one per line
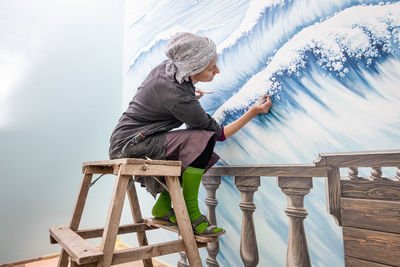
(207, 75)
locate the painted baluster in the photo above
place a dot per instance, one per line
(353, 173)
(376, 173)
(211, 184)
(398, 174)
(295, 189)
(248, 242)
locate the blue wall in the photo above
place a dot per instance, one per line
(60, 97)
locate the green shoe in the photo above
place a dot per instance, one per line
(210, 231)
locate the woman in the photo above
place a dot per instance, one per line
(167, 99)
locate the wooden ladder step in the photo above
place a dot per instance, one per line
(174, 228)
(98, 232)
(77, 248)
(150, 251)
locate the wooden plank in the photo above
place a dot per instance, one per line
(332, 190)
(293, 170)
(100, 169)
(131, 161)
(383, 190)
(354, 262)
(113, 219)
(77, 214)
(174, 228)
(123, 229)
(76, 247)
(183, 220)
(150, 170)
(378, 215)
(136, 169)
(137, 218)
(371, 245)
(382, 158)
(135, 254)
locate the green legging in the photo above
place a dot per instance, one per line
(191, 179)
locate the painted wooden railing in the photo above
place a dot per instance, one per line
(295, 181)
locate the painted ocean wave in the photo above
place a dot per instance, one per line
(247, 34)
(354, 38)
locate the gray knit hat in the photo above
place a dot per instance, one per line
(188, 54)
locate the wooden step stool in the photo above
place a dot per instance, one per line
(81, 253)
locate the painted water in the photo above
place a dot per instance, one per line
(332, 69)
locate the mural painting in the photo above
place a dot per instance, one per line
(332, 69)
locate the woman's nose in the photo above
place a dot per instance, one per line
(216, 70)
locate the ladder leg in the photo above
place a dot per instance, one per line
(137, 218)
(182, 216)
(77, 214)
(113, 219)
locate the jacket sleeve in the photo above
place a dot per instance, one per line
(185, 107)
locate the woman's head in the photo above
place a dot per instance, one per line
(206, 75)
(191, 55)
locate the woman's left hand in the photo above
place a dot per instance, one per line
(199, 93)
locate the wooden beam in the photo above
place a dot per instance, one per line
(384, 158)
(113, 219)
(76, 247)
(376, 246)
(131, 161)
(137, 218)
(77, 214)
(183, 220)
(131, 166)
(380, 215)
(283, 170)
(333, 192)
(383, 190)
(150, 251)
(150, 170)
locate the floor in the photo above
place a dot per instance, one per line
(51, 261)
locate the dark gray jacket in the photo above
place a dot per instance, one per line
(160, 105)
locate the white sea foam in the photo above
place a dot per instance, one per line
(354, 33)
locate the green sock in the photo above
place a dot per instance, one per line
(191, 179)
(163, 206)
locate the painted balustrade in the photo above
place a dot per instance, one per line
(295, 181)
(211, 183)
(247, 185)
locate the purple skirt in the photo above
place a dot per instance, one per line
(185, 146)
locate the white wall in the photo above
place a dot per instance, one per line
(60, 97)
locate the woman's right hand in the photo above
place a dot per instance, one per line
(263, 105)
